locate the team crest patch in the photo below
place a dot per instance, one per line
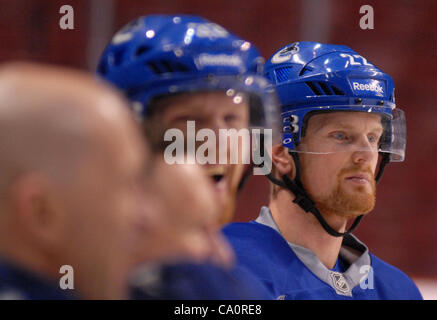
(339, 283)
(286, 53)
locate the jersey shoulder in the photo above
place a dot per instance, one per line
(393, 283)
(264, 253)
(256, 240)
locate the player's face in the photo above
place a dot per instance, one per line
(215, 111)
(342, 183)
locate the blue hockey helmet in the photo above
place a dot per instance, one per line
(313, 77)
(160, 55)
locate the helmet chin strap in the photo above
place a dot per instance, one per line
(304, 201)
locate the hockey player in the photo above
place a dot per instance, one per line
(182, 70)
(339, 116)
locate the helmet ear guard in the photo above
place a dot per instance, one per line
(314, 78)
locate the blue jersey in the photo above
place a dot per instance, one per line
(292, 272)
(187, 281)
(16, 283)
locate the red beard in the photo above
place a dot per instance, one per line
(345, 203)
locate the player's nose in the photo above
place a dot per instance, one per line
(364, 151)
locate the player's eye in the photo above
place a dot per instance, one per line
(340, 136)
(375, 137)
(230, 118)
(372, 138)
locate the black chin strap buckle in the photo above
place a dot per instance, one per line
(302, 199)
(304, 202)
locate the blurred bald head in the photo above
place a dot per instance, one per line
(70, 157)
(50, 119)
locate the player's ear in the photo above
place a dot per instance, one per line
(36, 211)
(283, 162)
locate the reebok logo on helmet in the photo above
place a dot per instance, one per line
(372, 86)
(218, 60)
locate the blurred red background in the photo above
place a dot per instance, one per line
(403, 43)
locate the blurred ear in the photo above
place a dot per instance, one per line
(36, 212)
(283, 162)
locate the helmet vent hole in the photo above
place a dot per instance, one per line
(325, 88)
(282, 74)
(337, 91)
(181, 68)
(154, 67)
(314, 88)
(166, 66)
(141, 50)
(116, 57)
(321, 88)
